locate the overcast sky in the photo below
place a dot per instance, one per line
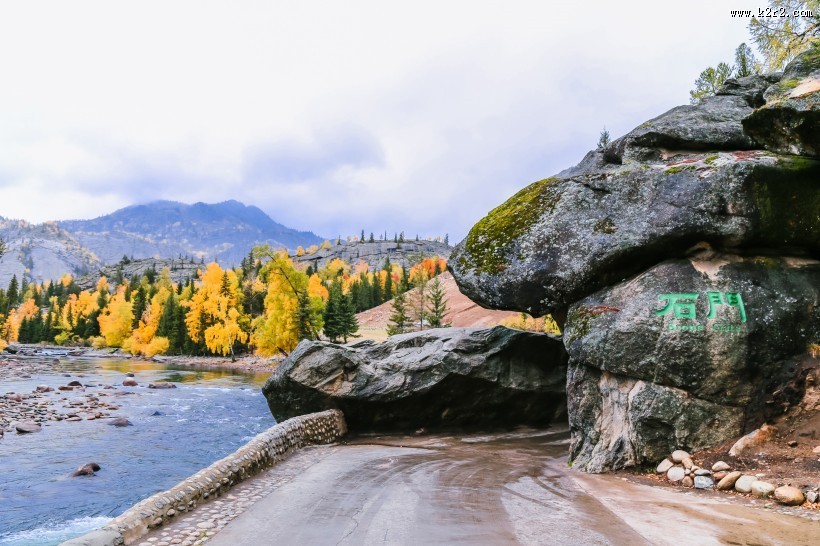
(331, 116)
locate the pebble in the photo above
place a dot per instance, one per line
(728, 482)
(720, 466)
(744, 484)
(812, 496)
(687, 481)
(704, 482)
(762, 489)
(703, 472)
(687, 463)
(675, 474)
(664, 466)
(679, 455)
(717, 476)
(790, 496)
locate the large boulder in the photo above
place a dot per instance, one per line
(562, 238)
(449, 377)
(789, 121)
(685, 354)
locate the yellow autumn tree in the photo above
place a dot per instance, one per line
(116, 319)
(280, 328)
(143, 339)
(214, 314)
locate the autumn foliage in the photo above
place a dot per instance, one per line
(267, 305)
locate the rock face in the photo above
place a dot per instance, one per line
(449, 377)
(789, 122)
(682, 260)
(693, 380)
(406, 253)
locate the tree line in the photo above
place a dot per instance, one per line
(267, 304)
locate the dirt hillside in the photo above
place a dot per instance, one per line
(463, 311)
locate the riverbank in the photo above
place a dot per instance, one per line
(173, 433)
(47, 353)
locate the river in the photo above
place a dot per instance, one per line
(175, 433)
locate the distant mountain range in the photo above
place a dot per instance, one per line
(164, 229)
(224, 231)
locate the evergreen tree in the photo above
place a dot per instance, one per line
(140, 303)
(388, 280)
(745, 61)
(306, 328)
(603, 141)
(333, 312)
(349, 324)
(437, 308)
(12, 294)
(447, 239)
(399, 318)
(371, 239)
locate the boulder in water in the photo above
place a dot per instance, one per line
(86, 470)
(129, 383)
(161, 385)
(28, 427)
(120, 422)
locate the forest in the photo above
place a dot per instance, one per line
(266, 305)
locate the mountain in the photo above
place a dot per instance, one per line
(223, 231)
(41, 252)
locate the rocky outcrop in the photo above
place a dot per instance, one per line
(648, 251)
(685, 354)
(405, 253)
(449, 377)
(563, 238)
(789, 122)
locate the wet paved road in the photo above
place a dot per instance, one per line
(499, 489)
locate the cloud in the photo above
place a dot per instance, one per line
(330, 117)
(323, 153)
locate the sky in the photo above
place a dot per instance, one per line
(331, 116)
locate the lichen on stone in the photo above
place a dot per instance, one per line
(489, 242)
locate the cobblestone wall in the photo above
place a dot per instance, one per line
(265, 450)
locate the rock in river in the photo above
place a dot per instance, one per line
(86, 470)
(27, 427)
(434, 378)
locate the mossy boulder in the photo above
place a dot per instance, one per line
(563, 238)
(685, 355)
(789, 121)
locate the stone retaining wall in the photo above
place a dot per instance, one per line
(265, 450)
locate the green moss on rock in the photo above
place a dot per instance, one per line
(490, 241)
(679, 168)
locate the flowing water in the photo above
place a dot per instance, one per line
(175, 433)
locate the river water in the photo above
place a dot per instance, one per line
(175, 433)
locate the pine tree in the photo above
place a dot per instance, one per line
(399, 318)
(447, 239)
(12, 294)
(437, 309)
(603, 139)
(304, 317)
(388, 280)
(333, 312)
(371, 239)
(348, 324)
(139, 302)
